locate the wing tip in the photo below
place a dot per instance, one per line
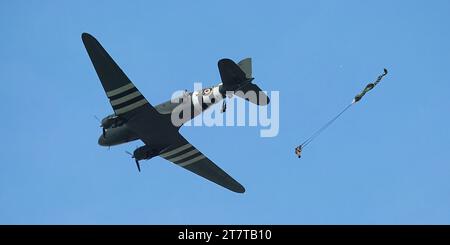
(88, 39)
(85, 36)
(238, 189)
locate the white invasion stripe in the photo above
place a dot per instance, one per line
(131, 107)
(193, 160)
(125, 98)
(217, 94)
(195, 98)
(187, 154)
(119, 90)
(175, 151)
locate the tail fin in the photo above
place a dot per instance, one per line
(246, 67)
(238, 78)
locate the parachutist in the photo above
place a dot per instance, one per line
(298, 151)
(358, 97)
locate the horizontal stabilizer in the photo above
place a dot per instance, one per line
(238, 78)
(258, 97)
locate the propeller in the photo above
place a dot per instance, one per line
(98, 120)
(103, 129)
(137, 162)
(138, 165)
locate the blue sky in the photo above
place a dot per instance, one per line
(384, 162)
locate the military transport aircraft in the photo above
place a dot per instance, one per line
(135, 118)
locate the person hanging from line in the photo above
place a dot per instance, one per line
(358, 97)
(298, 151)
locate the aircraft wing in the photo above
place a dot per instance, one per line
(124, 97)
(185, 155)
(153, 128)
(126, 100)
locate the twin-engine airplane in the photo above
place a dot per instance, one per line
(135, 118)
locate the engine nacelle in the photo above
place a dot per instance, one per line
(145, 153)
(112, 121)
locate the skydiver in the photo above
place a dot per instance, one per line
(358, 97)
(298, 151)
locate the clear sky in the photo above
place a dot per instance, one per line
(384, 162)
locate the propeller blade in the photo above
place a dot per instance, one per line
(104, 132)
(129, 153)
(98, 120)
(138, 166)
